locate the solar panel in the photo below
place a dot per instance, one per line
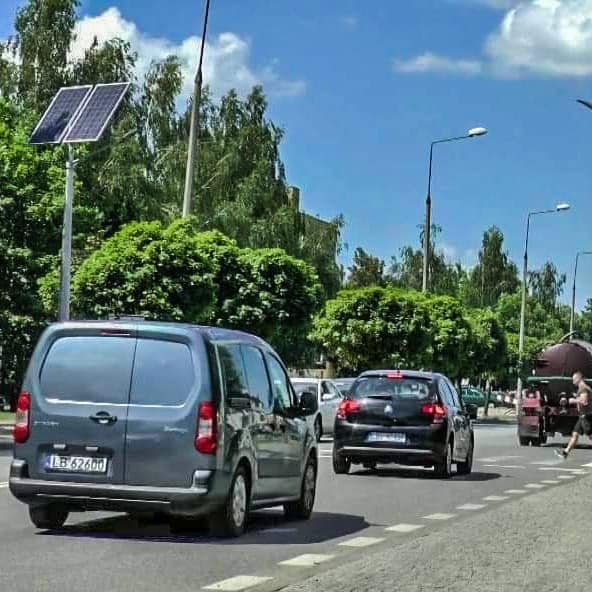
(61, 111)
(98, 110)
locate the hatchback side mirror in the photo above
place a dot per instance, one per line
(309, 403)
(327, 397)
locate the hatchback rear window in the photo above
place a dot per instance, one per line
(163, 373)
(301, 387)
(89, 369)
(406, 388)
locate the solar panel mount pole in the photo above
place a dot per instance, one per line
(194, 129)
(67, 239)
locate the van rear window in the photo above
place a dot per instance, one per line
(90, 369)
(163, 373)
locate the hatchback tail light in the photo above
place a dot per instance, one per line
(346, 407)
(205, 439)
(22, 423)
(437, 411)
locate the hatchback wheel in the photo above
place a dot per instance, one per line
(231, 519)
(524, 441)
(48, 517)
(302, 509)
(443, 467)
(465, 468)
(341, 465)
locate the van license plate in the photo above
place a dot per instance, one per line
(76, 464)
(384, 437)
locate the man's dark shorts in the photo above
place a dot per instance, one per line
(584, 425)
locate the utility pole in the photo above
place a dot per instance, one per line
(194, 129)
(67, 238)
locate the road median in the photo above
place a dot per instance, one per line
(535, 544)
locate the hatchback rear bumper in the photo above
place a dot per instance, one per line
(382, 454)
(208, 492)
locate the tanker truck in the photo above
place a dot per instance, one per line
(544, 408)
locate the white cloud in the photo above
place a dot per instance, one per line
(349, 22)
(535, 37)
(430, 62)
(226, 57)
(500, 4)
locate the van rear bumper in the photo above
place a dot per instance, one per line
(207, 493)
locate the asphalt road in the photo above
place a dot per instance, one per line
(108, 553)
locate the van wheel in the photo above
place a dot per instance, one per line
(48, 517)
(443, 467)
(318, 429)
(341, 465)
(231, 519)
(302, 509)
(465, 468)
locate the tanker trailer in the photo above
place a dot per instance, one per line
(544, 408)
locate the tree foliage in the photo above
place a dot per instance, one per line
(365, 271)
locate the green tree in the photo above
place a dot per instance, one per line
(494, 275)
(584, 325)
(365, 271)
(488, 354)
(546, 285)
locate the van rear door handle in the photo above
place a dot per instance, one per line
(104, 418)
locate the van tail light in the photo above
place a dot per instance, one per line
(436, 410)
(22, 423)
(346, 407)
(205, 440)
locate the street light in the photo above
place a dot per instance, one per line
(194, 128)
(573, 291)
(474, 132)
(560, 207)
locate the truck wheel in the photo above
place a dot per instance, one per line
(48, 517)
(231, 519)
(465, 468)
(524, 441)
(443, 467)
(302, 509)
(341, 465)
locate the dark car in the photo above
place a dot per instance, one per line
(404, 417)
(161, 417)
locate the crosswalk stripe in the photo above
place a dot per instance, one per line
(404, 527)
(238, 583)
(306, 560)
(361, 542)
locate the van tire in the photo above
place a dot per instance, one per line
(230, 521)
(341, 465)
(48, 517)
(302, 509)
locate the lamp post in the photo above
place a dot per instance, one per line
(560, 207)
(472, 133)
(573, 291)
(194, 129)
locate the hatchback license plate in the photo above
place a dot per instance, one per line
(76, 464)
(384, 437)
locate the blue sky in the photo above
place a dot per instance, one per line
(363, 88)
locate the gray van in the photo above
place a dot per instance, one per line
(161, 417)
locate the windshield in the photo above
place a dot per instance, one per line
(300, 387)
(419, 389)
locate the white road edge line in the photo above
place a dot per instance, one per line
(404, 527)
(361, 542)
(306, 560)
(237, 583)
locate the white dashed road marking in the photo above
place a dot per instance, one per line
(404, 527)
(587, 465)
(361, 542)
(550, 482)
(5, 484)
(495, 498)
(515, 491)
(578, 471)
(565, 477)
(307, 560)
(238, 583)
(439, 516)
(548, 463)
(471, 507)
(534, 486)
(506, 466)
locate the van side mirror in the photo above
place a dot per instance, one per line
(309, 403)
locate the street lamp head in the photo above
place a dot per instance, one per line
(476, 131)
(562, 207)
(585, 103)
